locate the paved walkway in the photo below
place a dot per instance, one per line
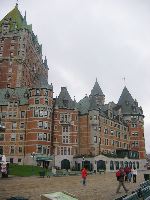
(99, 186)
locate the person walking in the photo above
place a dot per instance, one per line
(129, 176)
(120, 178)
(84, 175)
(134, 172)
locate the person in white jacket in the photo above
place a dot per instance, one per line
(134, 172)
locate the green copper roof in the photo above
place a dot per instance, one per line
(97, 90)
(15, 20)
(9, 94)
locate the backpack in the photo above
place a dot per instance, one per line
(118, 173)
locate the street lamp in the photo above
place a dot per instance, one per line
(32, 156)
(83, 161)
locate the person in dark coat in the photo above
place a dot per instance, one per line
(120, 179)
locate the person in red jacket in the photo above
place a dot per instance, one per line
(84, 175)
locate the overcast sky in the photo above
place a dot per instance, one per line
(85, 39)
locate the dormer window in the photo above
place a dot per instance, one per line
(37, 92)
(65, 103)
(127, 103)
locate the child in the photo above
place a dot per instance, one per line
(84, 175)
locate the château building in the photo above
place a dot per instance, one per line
(42, 129)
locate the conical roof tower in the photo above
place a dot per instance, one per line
(98, 94)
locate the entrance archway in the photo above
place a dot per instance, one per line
(65, 164)
(101, 165)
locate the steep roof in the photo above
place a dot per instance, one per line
(93, 103)
(64, 100)
(125, 96)
(96, 90)
(128, 104)
(8, 94)
(83, 105)
(15, 19)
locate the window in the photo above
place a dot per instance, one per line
(95, 128)
(45, 136)
(125, 137)
(37, 101)
(11, 54)
(65, 117)
(45, 125)
(20, 149)
(111, 132)
(45, 113)
(41, 113)
(40, 124)
(21, 137)
(36, 113)
(65, 139)
(4, 115)
(62, 150)
(23, 114)
(14, 125)
(65, 150)
(40, 136)
(134, 125)
(1, 150)
(1, 48)
(106, 141)
(69, 151)
(12, 149)
(65, 103)
(46, 101)
(37, 92)
(65, 129)
(13, 137)
(135, 144)
(95, 117)
(44, 150)
(135, 133)
(95, 139)
(19, 160)
(1, 137)
(22, 125)
(15, 104)
(106, 131)
(49, 137)
(39, 149)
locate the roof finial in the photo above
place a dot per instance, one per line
(124, 80)
(96, 79)
(17, 4)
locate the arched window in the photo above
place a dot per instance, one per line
(111, 165)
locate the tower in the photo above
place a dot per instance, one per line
(21, 63)
(133, 116)
(97, 92)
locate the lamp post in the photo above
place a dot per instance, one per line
(32, 156)
(83, 161)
